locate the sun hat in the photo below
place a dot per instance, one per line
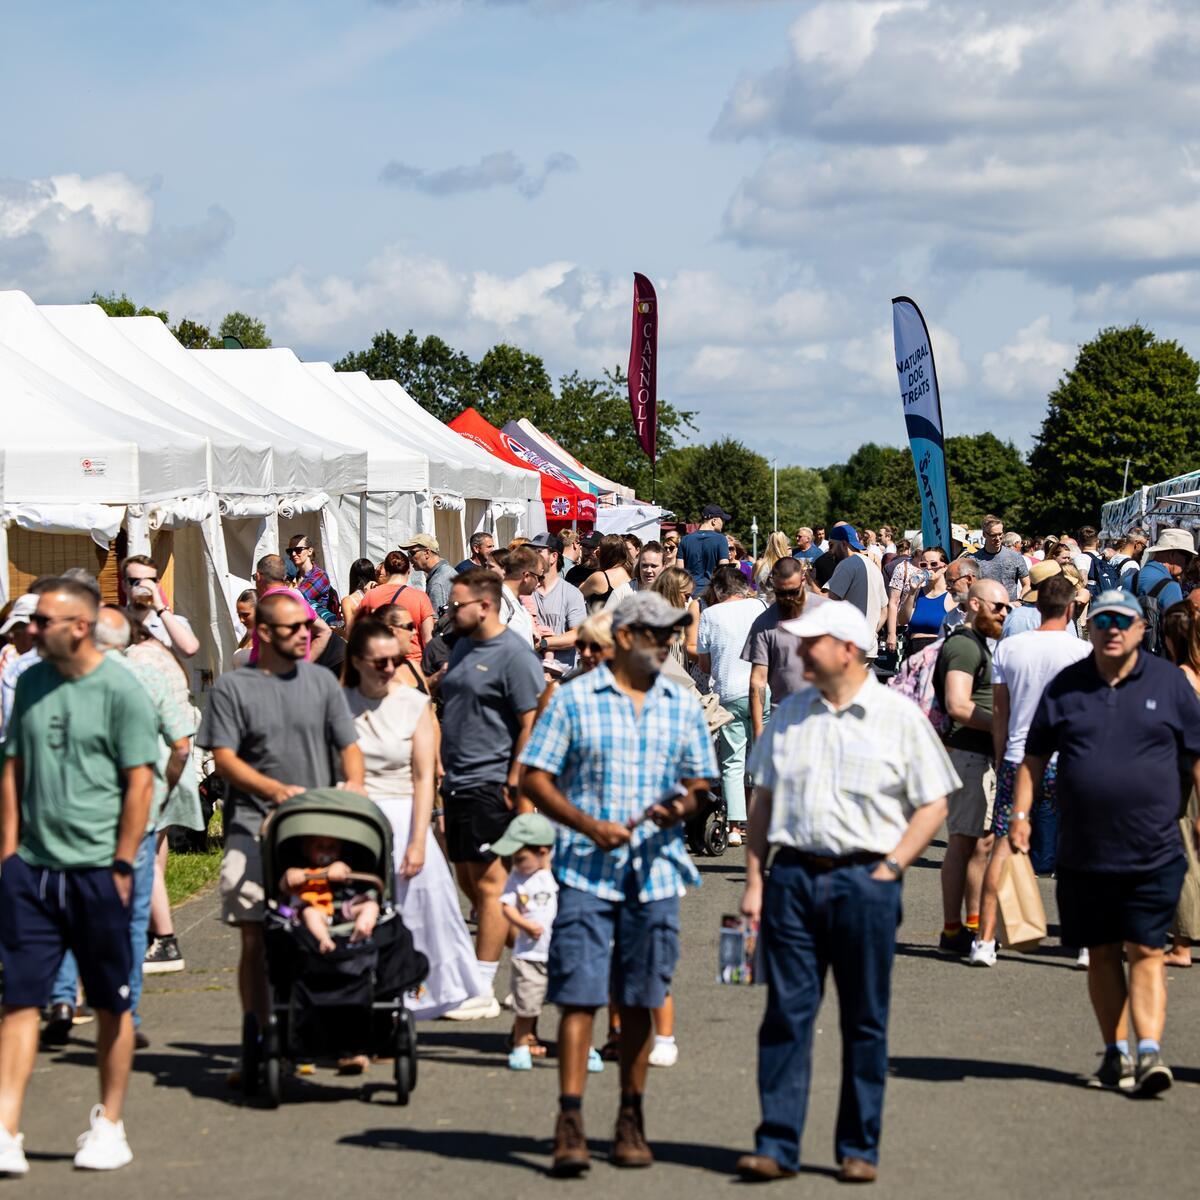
(529, 829)
(836, 619)
(1038, 574)
(422, 541)
(1172, 539)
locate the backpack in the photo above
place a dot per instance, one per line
(915, 680)
(1152, 611)
(1103, 574)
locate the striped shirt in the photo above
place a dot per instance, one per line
(848, 780)
(613, 764)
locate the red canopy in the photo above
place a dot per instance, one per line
(563, 500)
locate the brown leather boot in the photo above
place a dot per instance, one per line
(857, 1170)
(629, 1142)
(570, 1146)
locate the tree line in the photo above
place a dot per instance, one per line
(1130, 401)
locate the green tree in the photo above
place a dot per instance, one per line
(248, 330)
(986, 475)
(1128, 396)
(875, 486)
(122, 306)
(193, 335)
(725, 473)
(803, 499)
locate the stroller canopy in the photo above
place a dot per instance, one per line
(358, 823)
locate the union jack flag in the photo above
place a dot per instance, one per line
(560, 506)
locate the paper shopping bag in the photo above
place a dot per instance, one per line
(1022, 916)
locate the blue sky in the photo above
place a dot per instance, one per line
(496, 171)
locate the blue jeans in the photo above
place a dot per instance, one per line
(66, 983)
(813, 920)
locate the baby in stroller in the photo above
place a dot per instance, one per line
(323, 888)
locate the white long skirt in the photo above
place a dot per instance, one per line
(428, 905)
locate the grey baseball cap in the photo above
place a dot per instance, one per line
(648, 609)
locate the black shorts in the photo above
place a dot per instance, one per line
(44, 913)
(475, 817)
(1102, 908)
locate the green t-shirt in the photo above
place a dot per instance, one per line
(963, 650)
(74, 737)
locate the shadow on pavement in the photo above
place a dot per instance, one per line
(533, 1154)
(949, 1070)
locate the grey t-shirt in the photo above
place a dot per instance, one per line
(562, 608)
(1006, 566)
(437, 585)
(290, 727)
(485, 691)
(769, 646)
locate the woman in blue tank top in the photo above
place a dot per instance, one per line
(927, 608)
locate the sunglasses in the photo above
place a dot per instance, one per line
(401, 625)
(130, 584)
(382, 664)
(298, 549)
(788, 593)
(1111, 620)
(999, 607)
(455, 605)
(932, 566)
(661, 637)
(289, 628)
(592, 647)
(41, 620)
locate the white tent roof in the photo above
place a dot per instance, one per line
(475, 477)
(545, 442)
(91, 329)
(303, 460)
(277, 380)
(63, 447)
(445, 474)
(235, 465)
(511, 483)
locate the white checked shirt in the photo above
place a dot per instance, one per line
(613, 764)
(848, 780)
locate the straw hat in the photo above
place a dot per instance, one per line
(1038, 574)
(1172, 539)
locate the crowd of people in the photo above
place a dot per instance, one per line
(538, 722)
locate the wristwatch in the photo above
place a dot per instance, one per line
(893, 866)
(122, 867)
(543, 646)
(1020, 816)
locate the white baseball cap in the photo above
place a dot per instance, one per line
(23, 608)
(837, 619)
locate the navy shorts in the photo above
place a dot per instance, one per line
(1102, 908)
(625, 949)
(44, 913)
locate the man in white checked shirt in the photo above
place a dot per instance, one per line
(846, 819)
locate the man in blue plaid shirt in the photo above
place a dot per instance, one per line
(617, 759)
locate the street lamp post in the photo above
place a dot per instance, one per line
(775, 510)
(754, 536)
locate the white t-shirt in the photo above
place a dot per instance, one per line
(1025, 664)
(515, 615)
(536, 897)
(722, 635)
(154, 625)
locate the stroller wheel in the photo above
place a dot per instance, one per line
(273, 1078)
(716, 837)
(405, 1056)
(251, 1055)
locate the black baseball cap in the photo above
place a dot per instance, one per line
(590, 541)
(715, 510)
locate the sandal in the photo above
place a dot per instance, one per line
(611, 1050)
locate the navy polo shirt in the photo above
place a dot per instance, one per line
(1123, 753)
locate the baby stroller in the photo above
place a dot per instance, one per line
(707, 829)
(349, 1001)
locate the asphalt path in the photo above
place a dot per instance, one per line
(985, 1096)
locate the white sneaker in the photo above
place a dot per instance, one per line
(103, 1147)
(664, 1054)
(477, 1008)
(12, 1153)
(1084, 960)
(735, 837)
(983, 954)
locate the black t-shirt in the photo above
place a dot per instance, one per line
(576, 575)
(334, 655)
(1122, 752)
(824, 567)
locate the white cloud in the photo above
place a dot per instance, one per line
(64, 236)
(1028, 365)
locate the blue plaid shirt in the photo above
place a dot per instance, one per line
(612, 765)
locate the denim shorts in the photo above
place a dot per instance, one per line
(44, 913)
(623, 949)
(1104, 908)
